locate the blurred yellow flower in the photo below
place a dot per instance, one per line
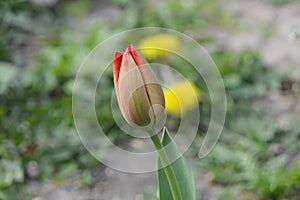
(181, 97)
(158, 45)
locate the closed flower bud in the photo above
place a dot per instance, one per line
(139, 94)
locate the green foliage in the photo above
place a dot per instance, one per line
(297, 35)
(245, 75)
(253, 153)
(183, 173)
(138, 197)
(17, 28)
(278, 182)
(36, 115)
(180, 16)
(280, 2)
(36, 125)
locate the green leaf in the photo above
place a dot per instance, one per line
(8, 73)
(183, 173)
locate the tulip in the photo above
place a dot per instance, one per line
(139, 94)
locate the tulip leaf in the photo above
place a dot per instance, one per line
(183, 173)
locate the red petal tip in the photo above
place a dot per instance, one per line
(136, 55)
(117, 65)
(131, 47)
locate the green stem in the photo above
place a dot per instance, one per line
(167, 167)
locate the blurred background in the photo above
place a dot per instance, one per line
(255, 45)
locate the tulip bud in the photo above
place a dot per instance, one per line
(139, 94)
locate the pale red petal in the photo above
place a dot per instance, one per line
(136, 55)
(117, 66)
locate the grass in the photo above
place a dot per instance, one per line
(253, 153)
(280, 2)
